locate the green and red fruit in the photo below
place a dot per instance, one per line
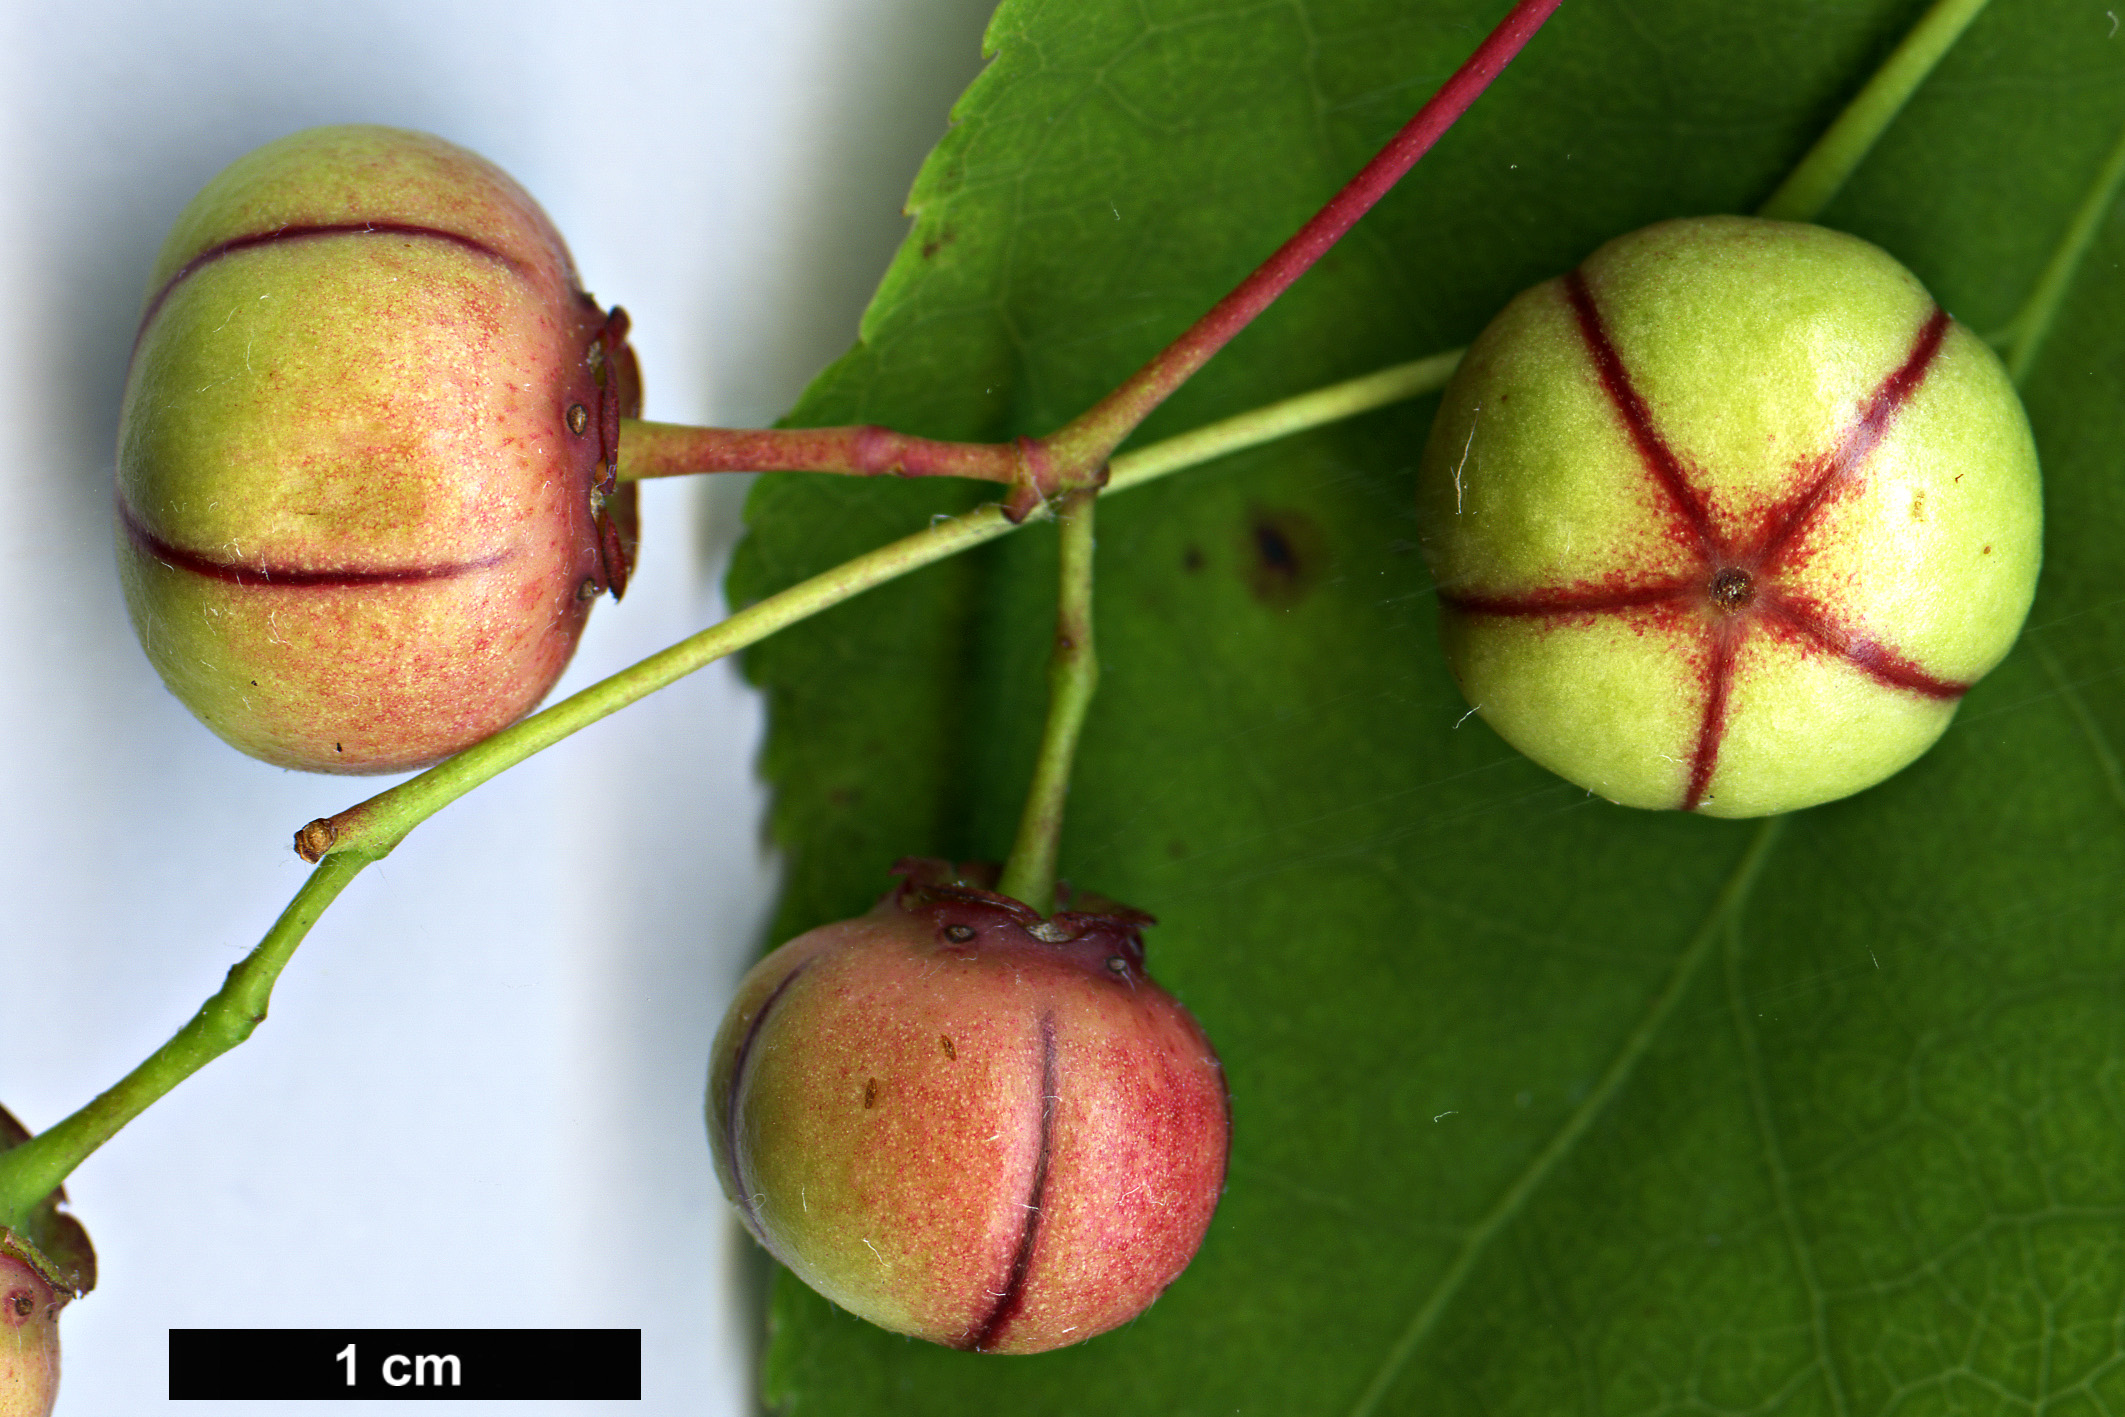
(365, 493)
(29, 1338)
(43, 1267)
(969, 1123)
(1729, 518)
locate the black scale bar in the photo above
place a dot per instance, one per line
(413, 1365)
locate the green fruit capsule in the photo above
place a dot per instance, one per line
(1729, 518)
(365, 492)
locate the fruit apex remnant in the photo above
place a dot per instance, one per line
(967, 1122)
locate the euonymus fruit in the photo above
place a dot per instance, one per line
(29, 1338)
(365, 492)
(1729, 518)
(968, 1122)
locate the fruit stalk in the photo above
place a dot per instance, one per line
(1076, 454)
(2024, 334)
(1073, 675)
(33, 1170)
(676, 450)
(1090, 437)
(380, 823)
(1838, 153)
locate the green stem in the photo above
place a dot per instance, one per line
(1076, 454)
(1087, 439)
(1281, 419)
(1840, 150)
(676, 450)
(349, 842)
(29, 1172)
(379, 824)
(1073, 675)
(2025, 333)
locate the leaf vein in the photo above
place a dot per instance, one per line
(1752, 1069)
(2026, 332)
(2099, 744)
(1732, 898)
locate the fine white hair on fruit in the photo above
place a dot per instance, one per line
(1466, 448)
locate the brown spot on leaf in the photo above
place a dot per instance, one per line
(937, 243)
(1285, 555)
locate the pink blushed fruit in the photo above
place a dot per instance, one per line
(43, 1267)
(1729, 518)
(29, 1339)
(364, 460)
(968, 1123)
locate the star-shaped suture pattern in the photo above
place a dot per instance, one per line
(1743, 576)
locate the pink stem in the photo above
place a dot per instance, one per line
(1114, 417)
(672, 450)
(1075, 455)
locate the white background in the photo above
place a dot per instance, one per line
(477, 1101)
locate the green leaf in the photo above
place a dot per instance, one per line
(1540, 1104)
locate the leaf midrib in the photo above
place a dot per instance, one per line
(1727, 906)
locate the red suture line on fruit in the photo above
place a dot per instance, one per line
(178, 558)
(1861, 438)
(307, 233)
(1570, 601)
(1660, 460)
(1014, 1289)
(1870, 657)
(730, 1100)
(1726, 644)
